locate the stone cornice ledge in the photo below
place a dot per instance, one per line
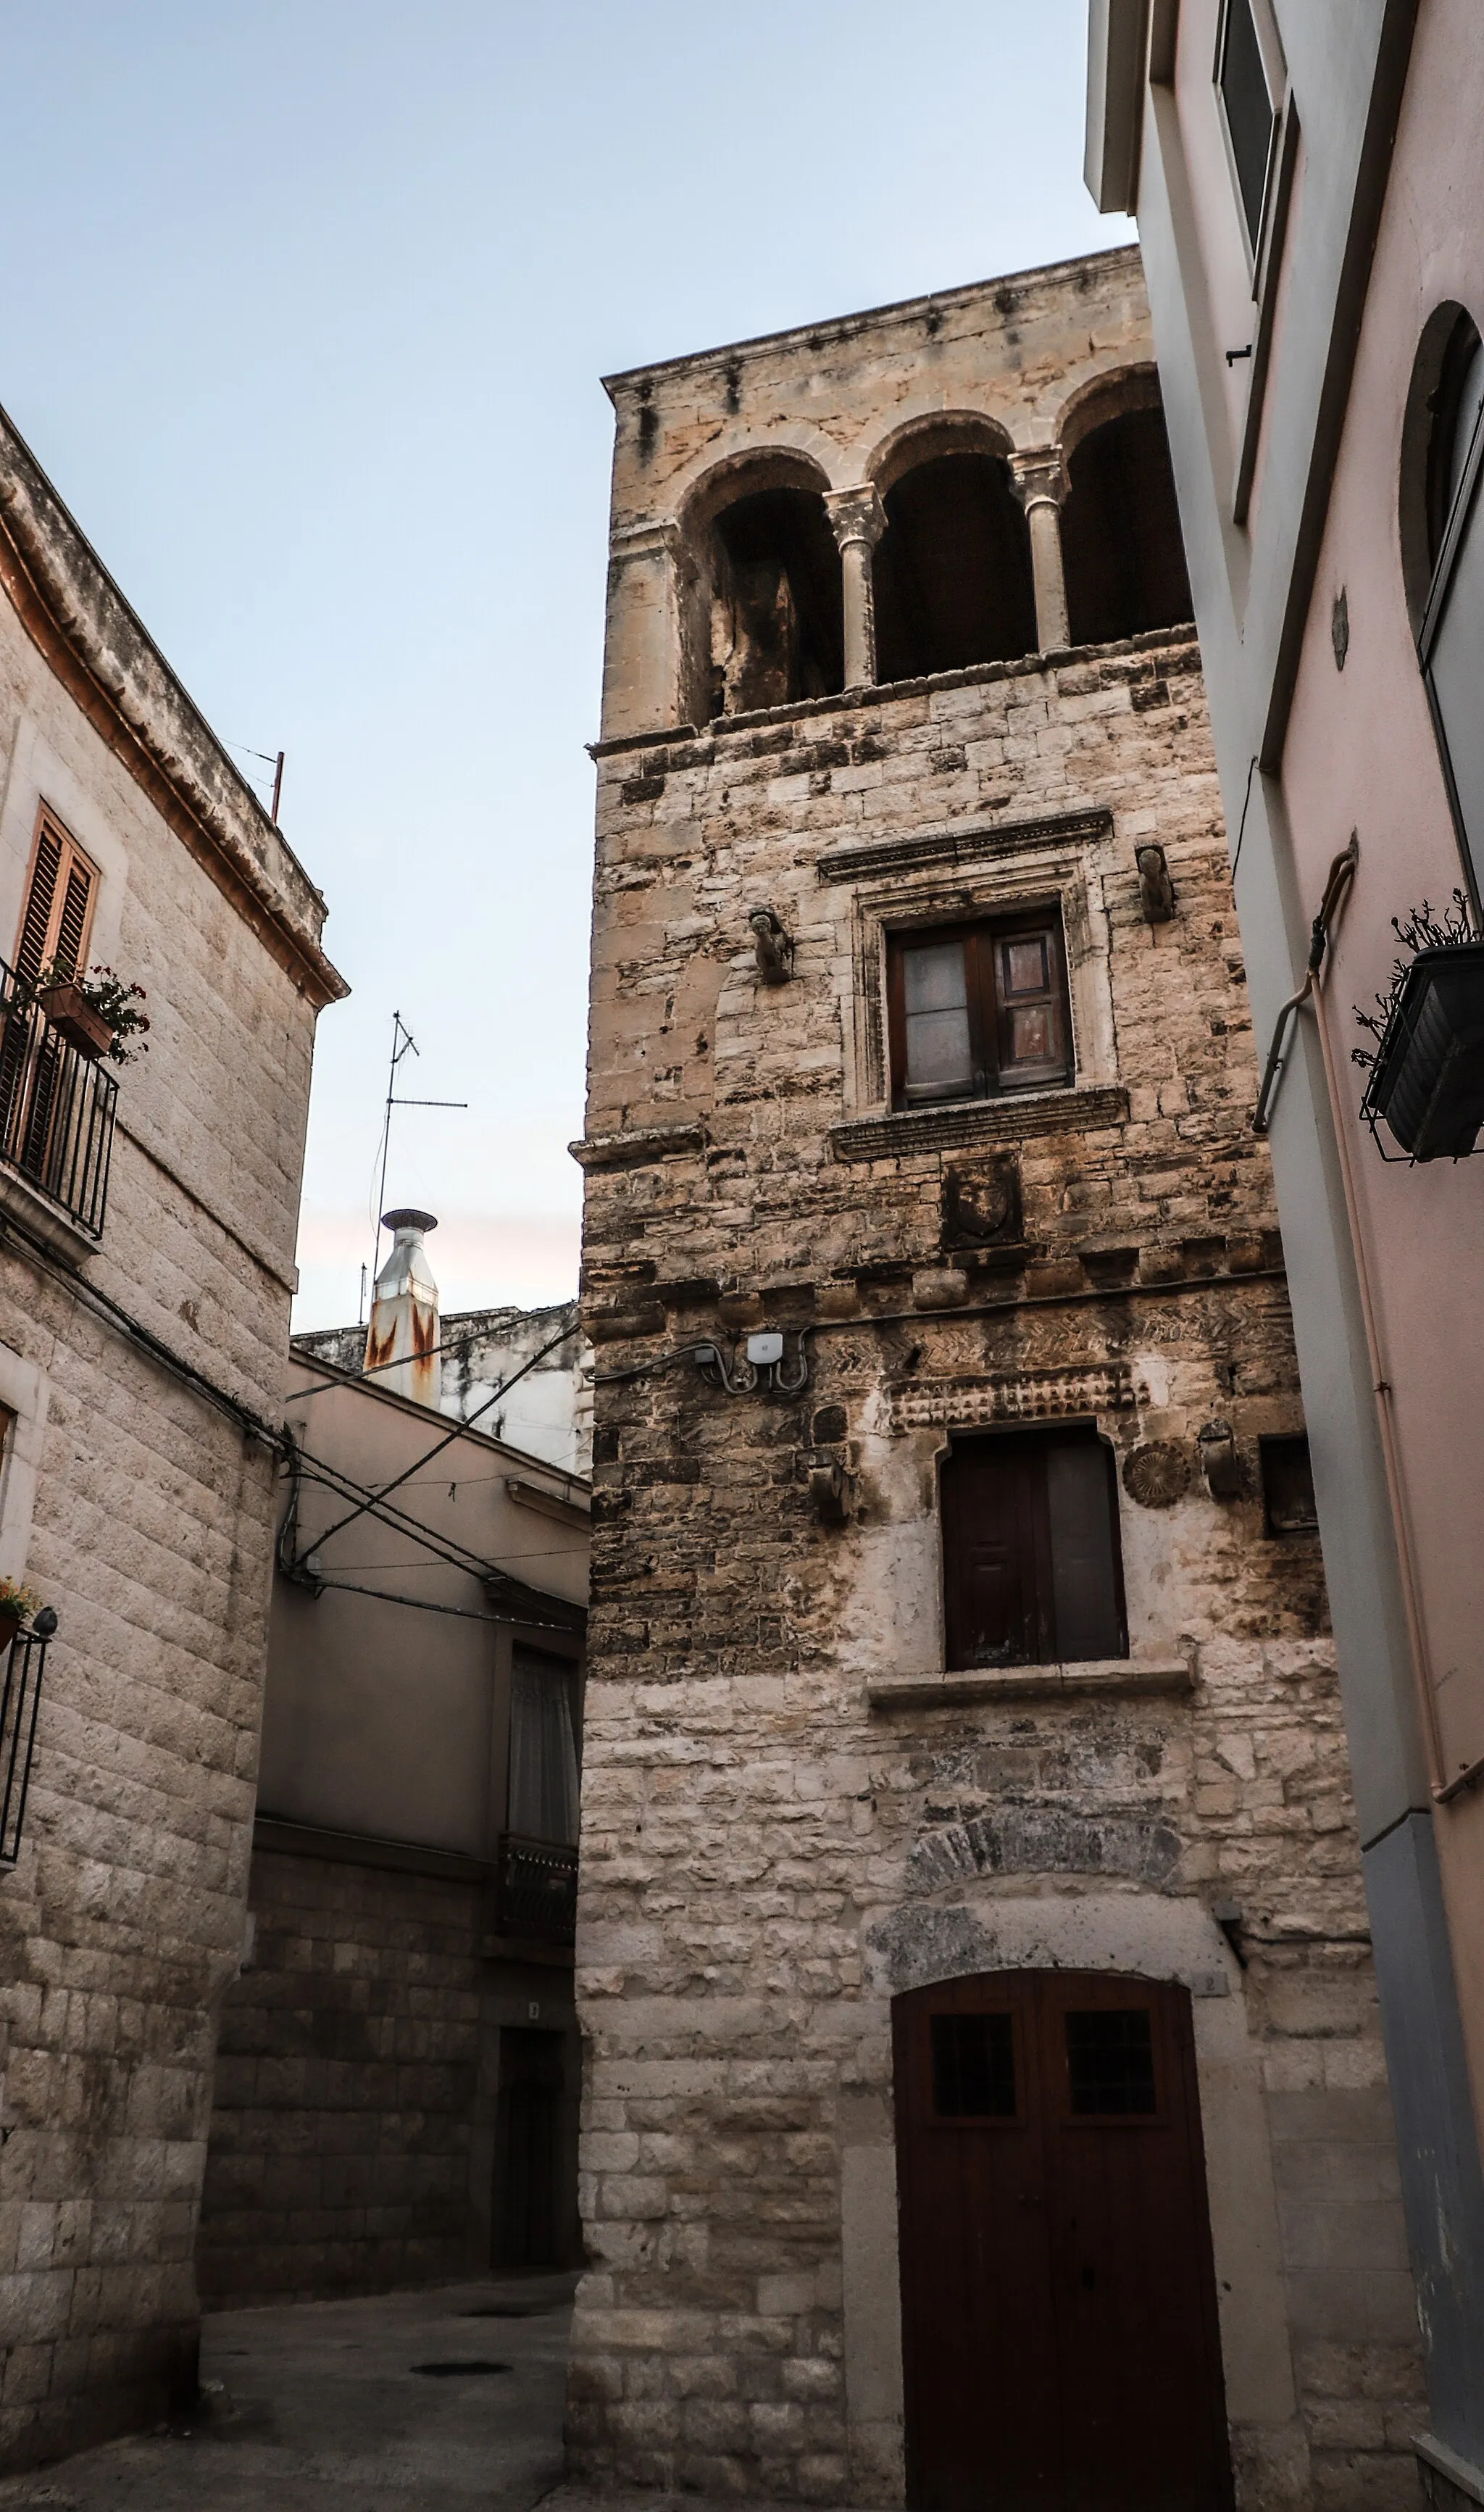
(79, 621)
(980, 1121)
(635, 1151)
(1120, 1674)
(968, 842)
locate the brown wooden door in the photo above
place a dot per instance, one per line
(1059, 2320)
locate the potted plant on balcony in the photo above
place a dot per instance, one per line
(1425, 1075)
(16, 1606)
(96, 1012)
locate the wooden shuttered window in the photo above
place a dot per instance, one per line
(976, 1009)
(1032, 1569)
(58, 913)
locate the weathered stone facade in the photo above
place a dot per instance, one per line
(791, 1814)
(143, 1362)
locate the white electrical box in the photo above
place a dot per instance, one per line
(764, 1351)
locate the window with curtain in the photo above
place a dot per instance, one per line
(543, 1797)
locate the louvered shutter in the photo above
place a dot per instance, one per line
(36, 922)
(72, 922)
(54, 929)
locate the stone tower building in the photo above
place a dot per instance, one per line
(983, 2073)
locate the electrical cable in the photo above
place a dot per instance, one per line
(430, 1605)
(88, 1295)
(369, 1504)
(353, 1377)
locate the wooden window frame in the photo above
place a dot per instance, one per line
(1265, 251)
(1263, 36)
(988, 1011)
(71, 855)
(1457, 527)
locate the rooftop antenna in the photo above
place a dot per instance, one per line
(403, 1043)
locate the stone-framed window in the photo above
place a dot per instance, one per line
(964, 878)
(977, 1008)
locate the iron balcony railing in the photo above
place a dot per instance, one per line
(24, 1664)
(536, 1890)
(56, 1108)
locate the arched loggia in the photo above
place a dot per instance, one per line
(1122, 546)
(952, 568)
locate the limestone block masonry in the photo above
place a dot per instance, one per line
(141, 1375)
(792, 1812)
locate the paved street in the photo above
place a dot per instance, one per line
(448, 2400)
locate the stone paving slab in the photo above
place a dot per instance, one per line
(321, 2409)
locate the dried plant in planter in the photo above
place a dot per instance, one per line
(1424, 1075)
(103, 996)
(1420, 932)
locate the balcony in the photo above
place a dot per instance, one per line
(57, 1109)
(536, 1891)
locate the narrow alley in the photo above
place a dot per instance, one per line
(444, 2401)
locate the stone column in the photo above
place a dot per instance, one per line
(858, 520)
(1040, 482)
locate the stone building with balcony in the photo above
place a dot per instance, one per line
(984, 2091)
(396, 2092)
(147, 1220)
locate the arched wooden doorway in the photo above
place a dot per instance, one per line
(1059, 2323)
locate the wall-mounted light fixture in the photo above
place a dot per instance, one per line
(760, 1367)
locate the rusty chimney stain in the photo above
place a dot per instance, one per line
(402, 1335)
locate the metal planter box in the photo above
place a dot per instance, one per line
(1429, 1077)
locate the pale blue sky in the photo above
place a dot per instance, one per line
(306, 307)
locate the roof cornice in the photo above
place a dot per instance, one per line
(97, 648)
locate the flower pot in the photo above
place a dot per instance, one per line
(73, 1018)
(10, 1625)
(1428, 1077)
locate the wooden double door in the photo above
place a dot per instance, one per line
(1059, 2341)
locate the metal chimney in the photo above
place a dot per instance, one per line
(402, 1334)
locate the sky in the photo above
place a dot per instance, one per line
(306, 311)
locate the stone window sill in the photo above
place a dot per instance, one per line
(895, 1136)
(45, 1220)
(1120, 1674)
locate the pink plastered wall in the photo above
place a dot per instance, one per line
(1360, 755)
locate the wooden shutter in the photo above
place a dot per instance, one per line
(1086, 1571)
(996, 1583)
(58, 905)
(1030, 989)
(1032, 1569)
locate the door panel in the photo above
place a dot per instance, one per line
(1059, 2303)
(527, 2131)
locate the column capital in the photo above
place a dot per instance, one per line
(1039, 476)
(662, 537)
(855, 515)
